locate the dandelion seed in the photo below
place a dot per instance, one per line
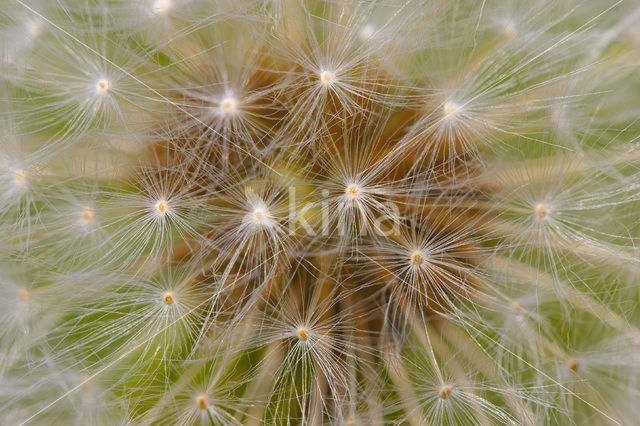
(162, 7)
(201, 402)
(260, 217)
(451, 109)
(35, 29)
(353, 191)
(541, 211)
(573, 365)
(444, 392)
(19, 177)
(416, 258)
(162, 207)
(327, 78)
(228, 105)
(103, 86)
(302, 334)
(168, 298)
(366, 32)
(87, 215)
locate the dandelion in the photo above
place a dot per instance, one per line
(311, 212)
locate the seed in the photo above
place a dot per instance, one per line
(451, 109)
(201, 401)
(87, 215)
(19, 176)
(417, 258)
(162, 207)
(167, 298)
(445, 391)
(259, 215)
(303, 334)
(327, 78)
(352, 191)
(228, 105)
(103, 86)
(541, 211)
(35, 29)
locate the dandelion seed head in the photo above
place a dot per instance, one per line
(324, 101)
(327, 78)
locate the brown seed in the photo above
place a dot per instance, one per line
(327, 77)
(352, 191)
(162, 207)
(201, 401)
(228, 105)
(167, 298)
(87, 215)
(417, 258)
(303, 334)
(445, 391)
(102, 86)
(19, 176)
(541, 210)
